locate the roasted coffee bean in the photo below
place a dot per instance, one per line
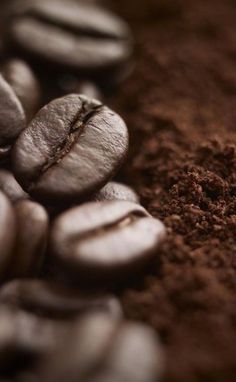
(56, 301)
(101, 241)
(24, 83)
(24, 339)
(89, 89)
(111, 191)
(12, 117)
(7, 232)
(116, 191)
(69, 34)
(100, 349)
(72, 147)
(32, 230)
(71, 84)
(4, 153)
(11, 187)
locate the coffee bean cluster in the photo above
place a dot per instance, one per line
(70, 237)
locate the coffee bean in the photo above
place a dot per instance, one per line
(4, 153)
(72, 147)
(12, 117)
(56, 301)
(88, 89)
(111, 191)
(7, 232)
(69, 83)
(116, 191)
(32, 230)
(100, 349)
(101, 241)
(69, 34)
(11, 187)
(24, 83)
(24, 339)
(135, 355)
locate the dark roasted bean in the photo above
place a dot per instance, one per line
(67, 84)
(72, 147)
(100, 349)
(116, 191)
(102, 241)
(89, 90)
(7, 232)
(54, 300)
(12, 117)
(32, 231)
(24, 83)
(5, 152)
(69, 34)
(11, 187)
(24, 339)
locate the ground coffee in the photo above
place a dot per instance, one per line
(180, 107)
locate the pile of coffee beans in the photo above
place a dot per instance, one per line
(70, 235)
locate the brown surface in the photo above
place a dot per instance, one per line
(180, 106)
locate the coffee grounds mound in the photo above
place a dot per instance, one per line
(190, 295)
(180, 107)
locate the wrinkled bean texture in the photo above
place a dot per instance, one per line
(105, 240)
(72, 147)
(116, 191)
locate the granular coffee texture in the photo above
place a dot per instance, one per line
(180, 107)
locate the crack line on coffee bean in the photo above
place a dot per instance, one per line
(80, 32)
(119, 224)
(76, 129)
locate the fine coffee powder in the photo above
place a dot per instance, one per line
(180, 107)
